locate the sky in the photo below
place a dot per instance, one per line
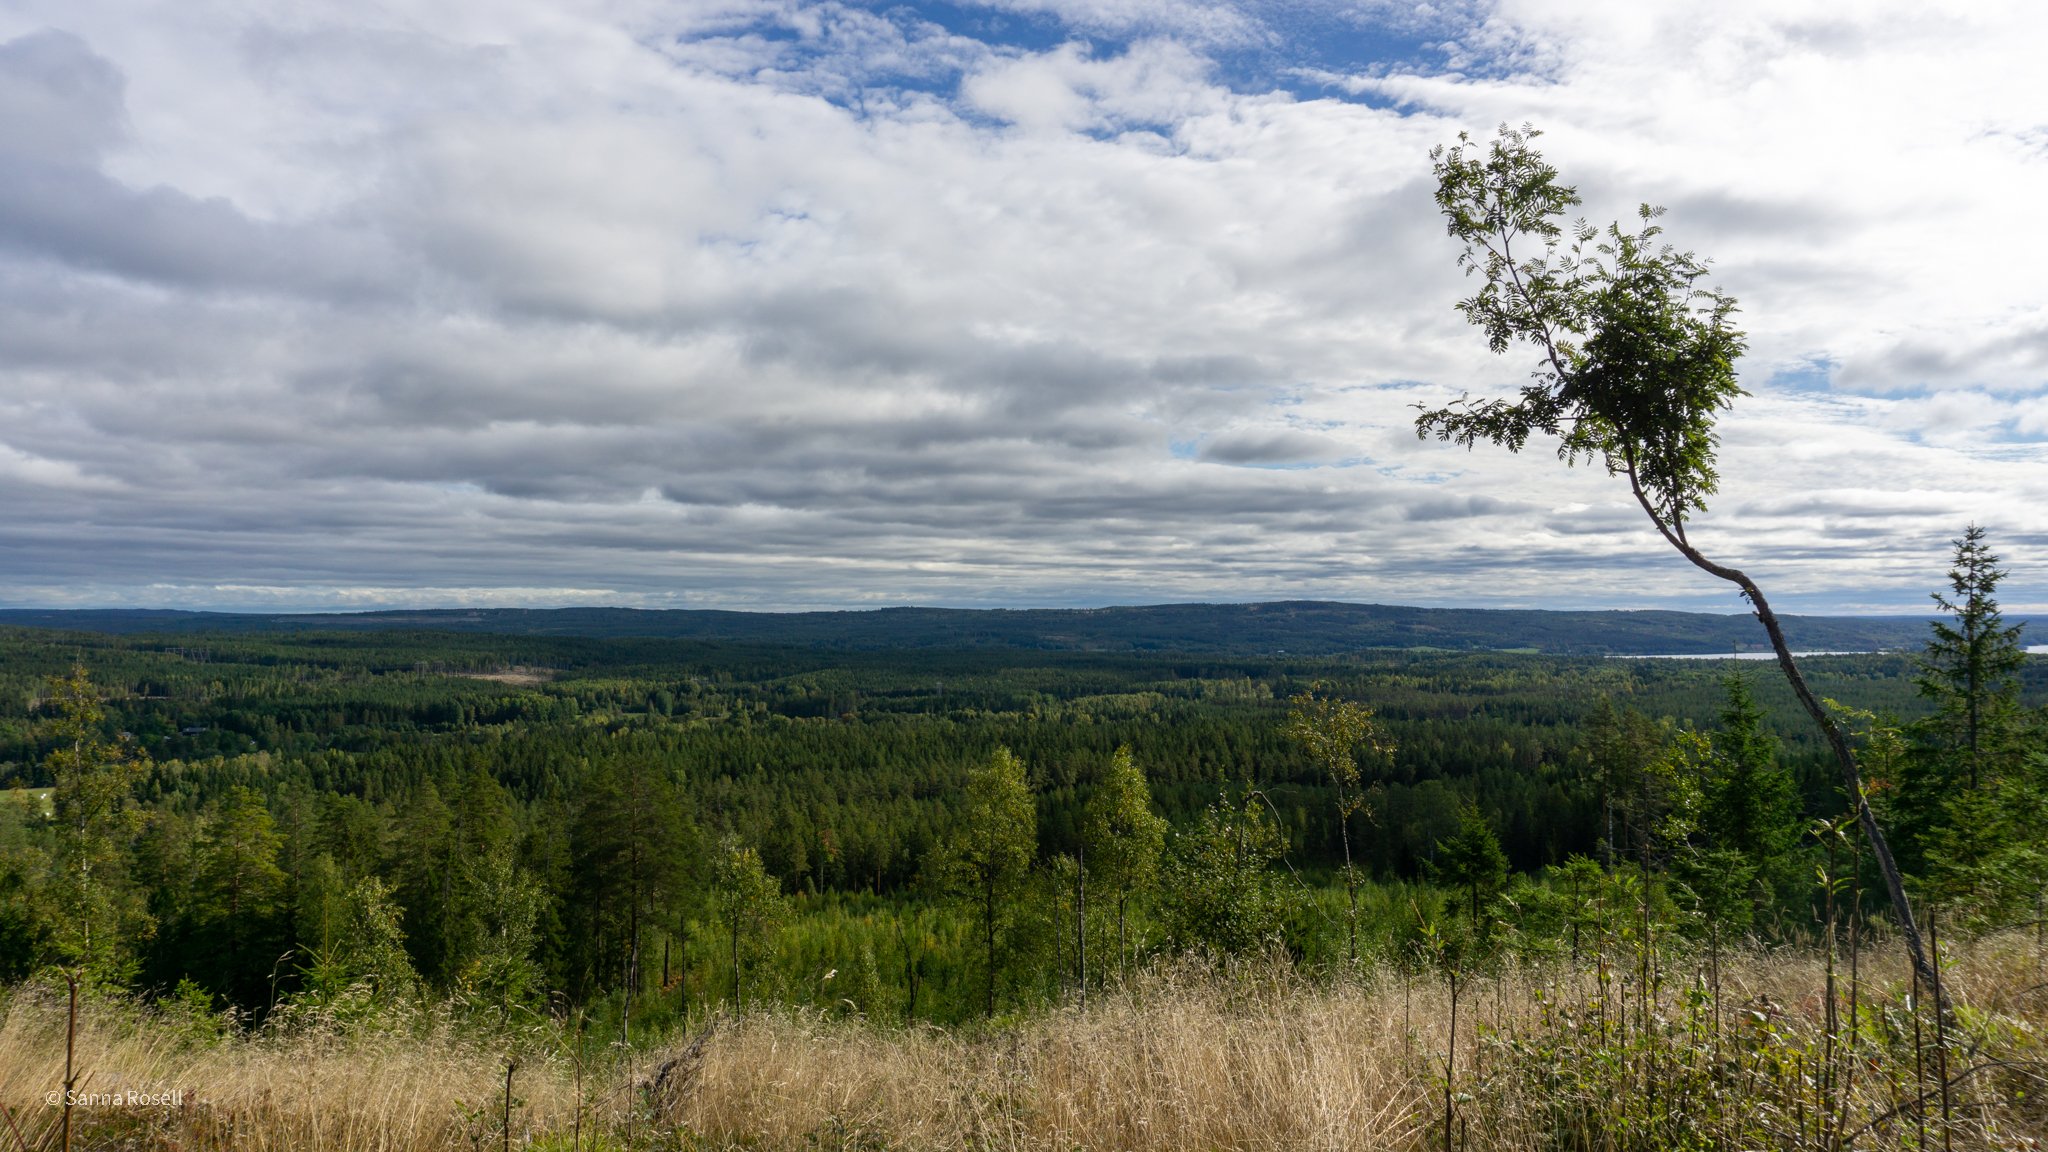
(792, 305)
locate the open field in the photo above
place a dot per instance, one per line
(29, 799)
(1245, 1056)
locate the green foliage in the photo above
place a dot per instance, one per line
(365, 969)
(1969, 671)
(1751, 810)
(464, 797)
(240, 892)
(1125, 839)
(1332, 732)
(1472, 863)
(987, 862)
(1636, 359)
(745, 901)
(628, 856)
(498, 967)
(1220, 892)
(92, 914)
(1967, 801)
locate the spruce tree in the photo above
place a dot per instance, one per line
(241, 888)
(1751, 802)
(1471, 861)
(1969, 671)
(94, 916)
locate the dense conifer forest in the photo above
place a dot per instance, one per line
(552, 816)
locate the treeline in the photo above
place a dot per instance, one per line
(265, 821)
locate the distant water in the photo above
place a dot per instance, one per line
(1729, 655)
(2032, 649)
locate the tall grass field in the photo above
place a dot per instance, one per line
(1802, 1048)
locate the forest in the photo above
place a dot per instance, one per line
(584, 789)
(605, 846)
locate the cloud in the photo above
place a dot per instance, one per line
(799, 304)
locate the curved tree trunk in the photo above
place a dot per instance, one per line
(1838, 742)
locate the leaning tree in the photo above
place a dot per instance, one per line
(1635, 360)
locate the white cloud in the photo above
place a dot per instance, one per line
(359, 304)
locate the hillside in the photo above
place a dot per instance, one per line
(1300, 627)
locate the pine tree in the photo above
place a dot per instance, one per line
(1623, 746)
(627, 849)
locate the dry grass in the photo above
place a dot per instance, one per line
(311, 1092)
(1187, 1057)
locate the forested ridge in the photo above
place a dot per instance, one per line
(1300, 627)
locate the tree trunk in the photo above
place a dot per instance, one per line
(1350, 889)
(1838, 742)
(988, 918)
(1081, 919)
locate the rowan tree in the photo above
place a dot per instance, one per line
(1635, 362)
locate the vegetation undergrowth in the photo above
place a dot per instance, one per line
(1794, 1048)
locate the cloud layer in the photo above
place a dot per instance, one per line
(789, 305)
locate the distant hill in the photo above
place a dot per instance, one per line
(1301, 627)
